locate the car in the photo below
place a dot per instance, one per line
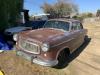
(14, 30)
(23, 27)
(50, 45)
(35, 24)
(10, 32)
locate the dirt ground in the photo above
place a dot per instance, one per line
(84, 61)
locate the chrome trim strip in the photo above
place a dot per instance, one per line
(63, 42)
(45, 62)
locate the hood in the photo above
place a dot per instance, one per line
(16, 29)
(44, 34)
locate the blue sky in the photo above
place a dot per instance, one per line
(84, 5)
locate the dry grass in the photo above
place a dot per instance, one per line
(15, 65)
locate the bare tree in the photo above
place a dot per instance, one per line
(60, 8)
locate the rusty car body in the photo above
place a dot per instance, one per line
(48, 46)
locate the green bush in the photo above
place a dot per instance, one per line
(9, 12)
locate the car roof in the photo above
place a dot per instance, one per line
(64, 19)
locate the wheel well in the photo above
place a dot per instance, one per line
(66, 50)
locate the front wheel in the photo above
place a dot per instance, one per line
(63, 59)
(85, 38)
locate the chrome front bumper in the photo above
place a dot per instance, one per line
(39, 61)
(45, 62)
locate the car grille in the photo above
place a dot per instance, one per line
(29, 46)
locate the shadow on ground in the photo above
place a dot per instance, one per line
(75, 54)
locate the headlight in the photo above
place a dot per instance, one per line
(45, 47)
(15, 37)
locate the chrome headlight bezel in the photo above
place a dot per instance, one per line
(45, 47)
(15, 37)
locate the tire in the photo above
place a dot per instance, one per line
(62, 58)
(85, 38)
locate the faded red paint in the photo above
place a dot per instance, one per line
(57, 40)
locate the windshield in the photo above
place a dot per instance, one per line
(57, 24)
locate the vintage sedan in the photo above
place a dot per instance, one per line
(48, 46)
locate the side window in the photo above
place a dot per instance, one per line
(74, 26)
(77, 26)
(81, 26)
